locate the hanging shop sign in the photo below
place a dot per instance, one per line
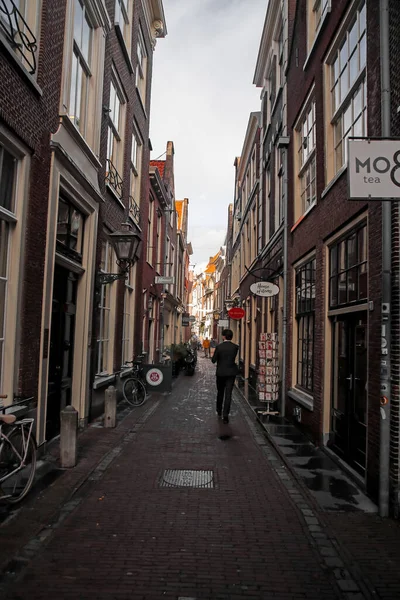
(264, 288)
(185, 320)
(224, 323)
(373, 169)
(236, 313)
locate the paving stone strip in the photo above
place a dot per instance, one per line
(327, 548)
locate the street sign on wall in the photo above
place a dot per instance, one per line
(373, 170)
(264, 288)
(223, 323)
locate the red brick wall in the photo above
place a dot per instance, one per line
(332, 212)
(33, 117)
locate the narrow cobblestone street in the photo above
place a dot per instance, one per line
(120, 532)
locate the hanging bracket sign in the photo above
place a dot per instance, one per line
(264, 288)
(236, 313)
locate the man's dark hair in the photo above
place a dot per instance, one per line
(227, 334)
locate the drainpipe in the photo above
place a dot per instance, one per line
(384, 452)
(283, 142)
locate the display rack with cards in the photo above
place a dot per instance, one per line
(268, 372)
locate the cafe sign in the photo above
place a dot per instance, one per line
(264, 288)
(373, 171)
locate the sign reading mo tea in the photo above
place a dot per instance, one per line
(373, 169)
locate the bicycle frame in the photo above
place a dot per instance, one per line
(26, 434)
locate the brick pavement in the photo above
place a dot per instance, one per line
(122, 536)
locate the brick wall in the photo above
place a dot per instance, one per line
(395, 370)
(33, 117)
(332, 212)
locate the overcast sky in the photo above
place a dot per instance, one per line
(202, 96)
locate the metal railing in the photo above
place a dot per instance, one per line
(113, 177)
(134, 210)
(18, 34)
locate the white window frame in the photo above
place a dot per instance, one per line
(136, 170)
(150, 233)
(106, 334)
(346, 115)
(305, 160)
(141, 66)
(128, 316)
(116, 135)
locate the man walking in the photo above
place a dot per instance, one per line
(224, 356)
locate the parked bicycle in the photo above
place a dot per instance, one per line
(133, 387)
(17, 457)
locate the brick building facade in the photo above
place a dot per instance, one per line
(75, 136)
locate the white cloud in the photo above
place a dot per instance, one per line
(201, 99)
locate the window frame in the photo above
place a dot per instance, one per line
(303, 318)
(115, 137)
(141, 65)
(105, 345)
(337, 130)
(306, 163)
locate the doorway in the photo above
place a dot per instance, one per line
(349, 397)
(61, 347)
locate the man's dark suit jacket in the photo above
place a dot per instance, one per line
(224, 356)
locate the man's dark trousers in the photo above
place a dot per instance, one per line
(225, 385)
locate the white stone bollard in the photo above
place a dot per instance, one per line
(68, 437)
(110, 407)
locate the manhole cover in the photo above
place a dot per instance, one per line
(187, 478)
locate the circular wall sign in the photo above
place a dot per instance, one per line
(236, 313)
(154, 377)
(264, 288)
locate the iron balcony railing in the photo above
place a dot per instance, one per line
(134, 211)
(114, 178)
(18, 34)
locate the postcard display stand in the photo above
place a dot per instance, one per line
(268, 372)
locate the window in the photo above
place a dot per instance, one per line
(104, 339)
(136, 168)
(348, 90)
(317, 12)
(70, 224)
(159, 261)
(348, 269)
(122, 21)
(141, 67)
(280, 197)
(281, 57)
(81, 71)
(305, 320)
(272, 84)
(253, 169)
(150, 236)
(115, 138)
(260, 224)
(306, 160)
(19, 23)
(128, 321)
(8, 167)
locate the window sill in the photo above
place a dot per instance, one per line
(102, 380)
(125, 372)
(124, 47)
(80, 140)
(114, 194)
(302, 398)
(28, 77)
(141, 102)
(334, 180)
(303, 216)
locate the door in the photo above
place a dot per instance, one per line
(349, 405)
(61, 348)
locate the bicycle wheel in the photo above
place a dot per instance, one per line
(134, 391)
(18, 485)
